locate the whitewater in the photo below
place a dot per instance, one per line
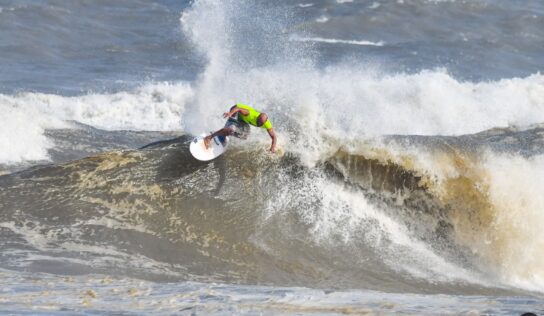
(408, 181)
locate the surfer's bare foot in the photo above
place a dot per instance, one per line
(207, 140)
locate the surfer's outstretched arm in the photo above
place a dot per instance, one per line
(273, 136)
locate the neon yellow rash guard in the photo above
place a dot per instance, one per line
(252, 117)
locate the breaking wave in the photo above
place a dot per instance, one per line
(431, 216)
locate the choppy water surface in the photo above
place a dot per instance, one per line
(408, 179)
(97, 295)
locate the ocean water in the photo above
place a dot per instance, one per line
(409, 176)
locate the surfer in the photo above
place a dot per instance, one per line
(240, 117)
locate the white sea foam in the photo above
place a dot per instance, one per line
(514, 240)
(26, 115)
(21, 133)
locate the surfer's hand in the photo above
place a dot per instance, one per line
(272, 149)
(226, 114)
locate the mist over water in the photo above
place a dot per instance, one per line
(411, 147)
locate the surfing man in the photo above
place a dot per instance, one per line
(240, 117)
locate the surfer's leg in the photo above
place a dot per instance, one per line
(234, 126)
(225, 131)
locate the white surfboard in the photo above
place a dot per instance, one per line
(200, 152)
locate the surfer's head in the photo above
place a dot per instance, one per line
(262, 119)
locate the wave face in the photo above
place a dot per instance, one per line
(404, 174)
(414, 214)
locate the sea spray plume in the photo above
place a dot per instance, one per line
(206, 23)
(238, 38)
